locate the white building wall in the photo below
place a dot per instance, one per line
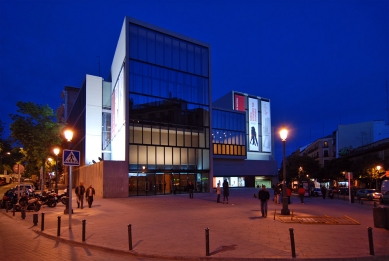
(119, 137)
(360, 134)
(93, 118)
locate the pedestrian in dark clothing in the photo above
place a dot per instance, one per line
(301, 192)
(190, 189)
(225, 191)
(80, 191)
(264, 196)
(90, 192)
(323, 191)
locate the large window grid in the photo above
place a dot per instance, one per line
(145, 133)
(168, 51)
(147, 79)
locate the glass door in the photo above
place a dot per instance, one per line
(160, 184)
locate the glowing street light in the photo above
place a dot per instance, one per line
(285, 210)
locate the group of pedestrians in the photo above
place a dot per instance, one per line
(89, 193)
(226, 192)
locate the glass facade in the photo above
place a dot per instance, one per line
(229, 133)
(169, 121)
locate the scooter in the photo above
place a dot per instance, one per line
(48, 199)
(28, 203)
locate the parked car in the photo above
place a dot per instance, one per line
(370, 194)
(384, 188)
(316, 192)
(385, 198)
(10, 197)
(343, 191)
(23, 187)
(334, 189)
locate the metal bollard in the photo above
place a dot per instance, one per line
(129, 237)
(23, 212)
(371, 246)
(83, 230)
(13, 210)
(6, 207)
(43, 221)
(35, 219)
(207, 241)
(59, 227)
(292, 242)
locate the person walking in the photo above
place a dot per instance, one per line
(80, 191)
(275, 191)
(301, 193)
(218, 192)
(90, 192)
(190, 189)
(289, 193)
(323, 191)
(263, 196)
(225, 191)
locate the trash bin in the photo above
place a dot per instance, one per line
(380, 217)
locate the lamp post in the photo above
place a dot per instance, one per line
(51, 168)
(69, 136)
(285, 210)
(56, 152)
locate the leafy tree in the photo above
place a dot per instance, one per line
(36, 131)
(364, 168)
(334, 169)
(298, 167)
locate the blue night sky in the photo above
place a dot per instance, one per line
(321, 63)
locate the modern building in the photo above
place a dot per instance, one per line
(242, 137)
(147, 129)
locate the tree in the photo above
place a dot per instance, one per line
(335, 168)
(298, 167)
(35, 130)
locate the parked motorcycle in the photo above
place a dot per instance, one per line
(28, 203)
(61, 198)
(49, 199)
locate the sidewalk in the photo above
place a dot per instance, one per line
(173, 227)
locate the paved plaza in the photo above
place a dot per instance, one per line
(174, 227)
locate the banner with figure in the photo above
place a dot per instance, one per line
(253, 125)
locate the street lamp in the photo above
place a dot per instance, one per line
(56, 152)
(69, 136)
(285, 210)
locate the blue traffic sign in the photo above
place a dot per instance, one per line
(71, 158)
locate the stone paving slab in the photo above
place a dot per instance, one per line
(173, 227)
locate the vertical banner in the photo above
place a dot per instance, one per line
(239, 102)
(266, 126)
(253, 124)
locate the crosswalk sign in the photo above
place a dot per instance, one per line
(71, 158)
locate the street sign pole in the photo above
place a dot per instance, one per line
(70, 158)
(70, 197)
